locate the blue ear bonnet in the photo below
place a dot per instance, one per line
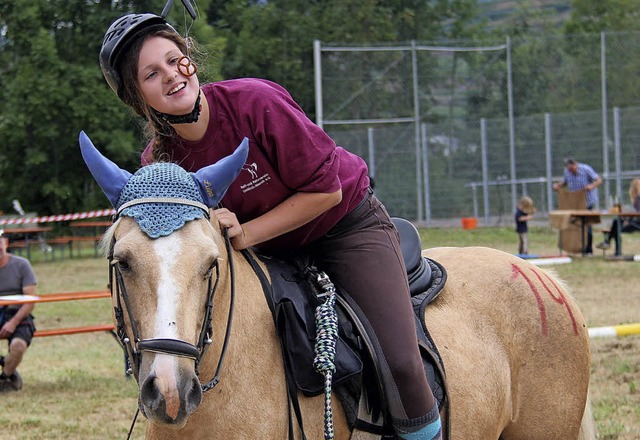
(162, 197)
(161, 180)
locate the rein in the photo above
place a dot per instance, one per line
(232, 299)
(174, 347)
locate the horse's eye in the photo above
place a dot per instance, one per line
(123, 265)
(210, 270)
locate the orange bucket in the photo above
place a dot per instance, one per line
(469, 223)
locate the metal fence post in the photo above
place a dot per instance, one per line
(416, 109)
(605, 128)
(485, 170)
(548, 160)
(317, 69)
(617, 152)
(512, 130)
(425, 173)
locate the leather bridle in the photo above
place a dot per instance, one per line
(134, 346)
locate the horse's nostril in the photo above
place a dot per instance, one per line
(150, 394)
(193, 396)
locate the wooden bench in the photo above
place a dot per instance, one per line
(89, 231)
(59, 243)
(68, 241)
(17, 245)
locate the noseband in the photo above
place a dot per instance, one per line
(134, 346)
(175, 347)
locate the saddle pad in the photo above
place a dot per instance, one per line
(295, 299)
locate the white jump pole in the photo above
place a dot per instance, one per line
(615, 331)
(549, 260)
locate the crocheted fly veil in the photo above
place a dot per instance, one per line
(163, 197)
(162, 181)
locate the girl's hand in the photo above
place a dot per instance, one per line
(229, 221)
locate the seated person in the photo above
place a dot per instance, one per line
(628, 225)
(16, 321)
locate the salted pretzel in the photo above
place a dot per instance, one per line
(186, 66)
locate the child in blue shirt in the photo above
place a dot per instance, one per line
(524, 213)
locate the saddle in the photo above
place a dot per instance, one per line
(293, 296)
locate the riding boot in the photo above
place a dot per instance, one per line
(427, 427)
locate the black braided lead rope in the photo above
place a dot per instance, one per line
(325, 347)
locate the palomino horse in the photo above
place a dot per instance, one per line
(515, 345)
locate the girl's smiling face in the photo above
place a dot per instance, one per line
(162, 86)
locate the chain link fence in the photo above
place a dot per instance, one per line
(465, 130)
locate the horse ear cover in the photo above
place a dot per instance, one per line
(109, 176)
(212, 180)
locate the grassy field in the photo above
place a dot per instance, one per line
(75, 386)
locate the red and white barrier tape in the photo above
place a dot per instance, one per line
(58, 218)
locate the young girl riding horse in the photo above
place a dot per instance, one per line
(298, 189)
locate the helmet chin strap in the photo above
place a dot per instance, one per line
(182, 119)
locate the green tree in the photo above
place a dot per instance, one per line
(51, 88)
(274, 39)
(618, 20)
(594, 16)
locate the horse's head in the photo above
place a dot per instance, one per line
(164, 255)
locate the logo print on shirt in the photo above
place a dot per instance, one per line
(252, 168)
(256, 181)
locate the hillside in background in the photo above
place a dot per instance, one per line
(500, 13)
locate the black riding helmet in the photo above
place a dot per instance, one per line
(118, 37)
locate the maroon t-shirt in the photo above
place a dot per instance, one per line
(288, 153)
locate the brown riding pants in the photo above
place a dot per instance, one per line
(362, 255)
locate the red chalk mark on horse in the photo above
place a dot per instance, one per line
(515, 272)
(558, 297)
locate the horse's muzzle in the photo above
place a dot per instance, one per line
(170, 402)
